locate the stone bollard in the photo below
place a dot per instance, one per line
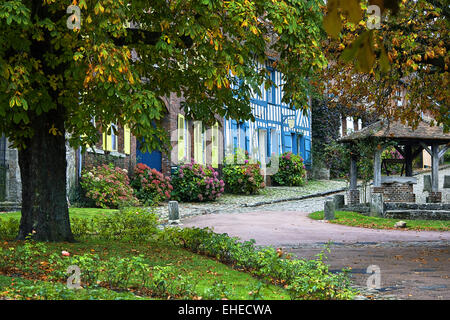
(376, 205)
(328, 211)
(339, 201)
(427, 183)
(174, 214)
(446, 182)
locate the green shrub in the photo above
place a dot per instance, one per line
(108, 186)
(127, 224)
(392, 153)
(9, 228)
(241, 174)
(150, 186)
(194, 182)
(304, 279)
(291, 171)
(22, 289)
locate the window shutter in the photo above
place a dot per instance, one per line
(104, 141)
(215, 146)
(126, 140)
(181, 137)
(198, 145)
(107, 140)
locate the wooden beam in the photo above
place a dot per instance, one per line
(408, 161)
(425, 147)
(353, 173)
(417, 152)
(435, 167)
(377, 168)
(400, 150)
(444, 150)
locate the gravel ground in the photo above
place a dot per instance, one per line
(240, 203)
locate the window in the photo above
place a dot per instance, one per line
(110, 138)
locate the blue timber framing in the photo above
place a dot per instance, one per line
(275, 118)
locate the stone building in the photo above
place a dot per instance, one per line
(118, 148)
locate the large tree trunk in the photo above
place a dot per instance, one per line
(45, 214)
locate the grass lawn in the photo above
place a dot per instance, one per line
(358, 220)
(73, 212)
(206, 270)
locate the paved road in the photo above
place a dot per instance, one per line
(414, 265)
(288, 228)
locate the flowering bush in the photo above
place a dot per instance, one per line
(391, 153)
(150, 186)
(241, 175)
(109, 187)
(194, 182)
(291, 172)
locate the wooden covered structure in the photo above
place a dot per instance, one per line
(410, 143)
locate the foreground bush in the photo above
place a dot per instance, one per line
(114, 273)
(108, 186)
(304, 279)
(241, 176)
(291, 172)
(194, 182)
(150, 186)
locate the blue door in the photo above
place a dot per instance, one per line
(295, 149)
(287, 142)
(153, 159)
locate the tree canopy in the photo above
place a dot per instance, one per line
(407, 57)
(114, 73)
(118, 63)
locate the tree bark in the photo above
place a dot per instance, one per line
(45, 213)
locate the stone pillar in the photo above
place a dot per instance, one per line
(446, 182)
(427, 183)
(353, 197)
(376, 205)
(434, 197)
(328, 211)
(339, 201)
(174, 214)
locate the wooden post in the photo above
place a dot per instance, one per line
(408, 161)
(353, 173)
(435, 167)
(377, 168)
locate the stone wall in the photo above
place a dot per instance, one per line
(396, 192)
(13, 179)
